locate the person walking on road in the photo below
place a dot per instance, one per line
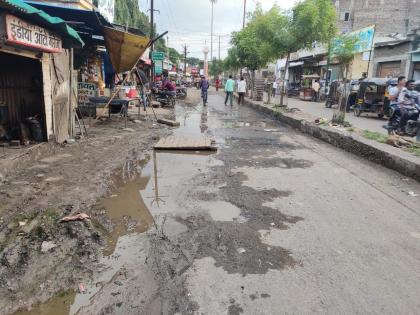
(315, 91)
(229, 87)
(204, 86)
(274, 89)
(241, 91)
(217, 84)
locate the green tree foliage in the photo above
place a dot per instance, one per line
(343, 49)
(193, 61)
(216, 67)
(284, 32)
(231, 62)
(174, 55)
(127, 13)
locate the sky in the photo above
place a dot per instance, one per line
(189, 22)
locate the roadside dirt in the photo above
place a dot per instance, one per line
(40, 257)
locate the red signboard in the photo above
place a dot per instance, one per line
(26, 34)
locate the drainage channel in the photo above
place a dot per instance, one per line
(132, 208)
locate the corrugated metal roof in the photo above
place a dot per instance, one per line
(70, 37)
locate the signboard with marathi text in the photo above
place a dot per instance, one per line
(85, 90)
(19, 32)
(158, 55)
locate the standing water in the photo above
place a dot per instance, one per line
(133, 207)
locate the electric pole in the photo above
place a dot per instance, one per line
(219, 47)
(152, 12)
(185, 59)
(211, 40)
(243, 23)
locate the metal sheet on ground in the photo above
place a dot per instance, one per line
(185, 143)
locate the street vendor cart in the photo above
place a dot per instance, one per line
(306, 92)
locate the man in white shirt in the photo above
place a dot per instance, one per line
(275, 86)
(241, 91)
(315, 90)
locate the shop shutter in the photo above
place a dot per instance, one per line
(389, 69)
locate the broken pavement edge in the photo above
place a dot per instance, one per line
(383, 154)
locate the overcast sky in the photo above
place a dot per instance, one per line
(188, 21)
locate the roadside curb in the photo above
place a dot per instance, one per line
(383, 154)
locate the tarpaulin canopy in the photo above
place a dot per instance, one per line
(89, 24)
(124, 49)
(26, 11)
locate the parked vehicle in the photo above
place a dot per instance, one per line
(164, 99)
(335, 90)
(333, 96)
(293, 89)
(372, 97)
(181, 91)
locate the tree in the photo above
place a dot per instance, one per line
(216, 67)
(231, 62)
(250, 49)
(174, 55)
(127, 13)
(193, 61)
(343, 50)
(282, 32)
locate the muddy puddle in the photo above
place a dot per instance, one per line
(143, 193)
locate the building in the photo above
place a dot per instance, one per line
(389, 16)
(396, 34)
(35, 78)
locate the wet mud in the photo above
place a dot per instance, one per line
(166, 210)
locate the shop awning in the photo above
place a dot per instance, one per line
(89, 24)
(69, 35)
(124, 49)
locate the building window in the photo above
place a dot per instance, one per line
(346, 16)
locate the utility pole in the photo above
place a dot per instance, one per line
(243, 23)
(185, 59)
(152, 23)
(211, 40)
(219, 47)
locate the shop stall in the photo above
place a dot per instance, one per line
(35, 84)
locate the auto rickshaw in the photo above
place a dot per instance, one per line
(373, 97)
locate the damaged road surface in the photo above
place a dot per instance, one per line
(274, 222)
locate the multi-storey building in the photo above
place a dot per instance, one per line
(396, 33)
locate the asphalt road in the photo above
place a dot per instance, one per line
(275, 222)
(314, 230)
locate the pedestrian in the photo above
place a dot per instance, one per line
(229, 87)
(274, 89)
(315, 90)
(217, 84)
(204, 85)
(241, 91)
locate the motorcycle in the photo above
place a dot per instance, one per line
(411, 128)
(164, 99)
(181, 92)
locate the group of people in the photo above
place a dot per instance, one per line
(229, 89)
(404, 98)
